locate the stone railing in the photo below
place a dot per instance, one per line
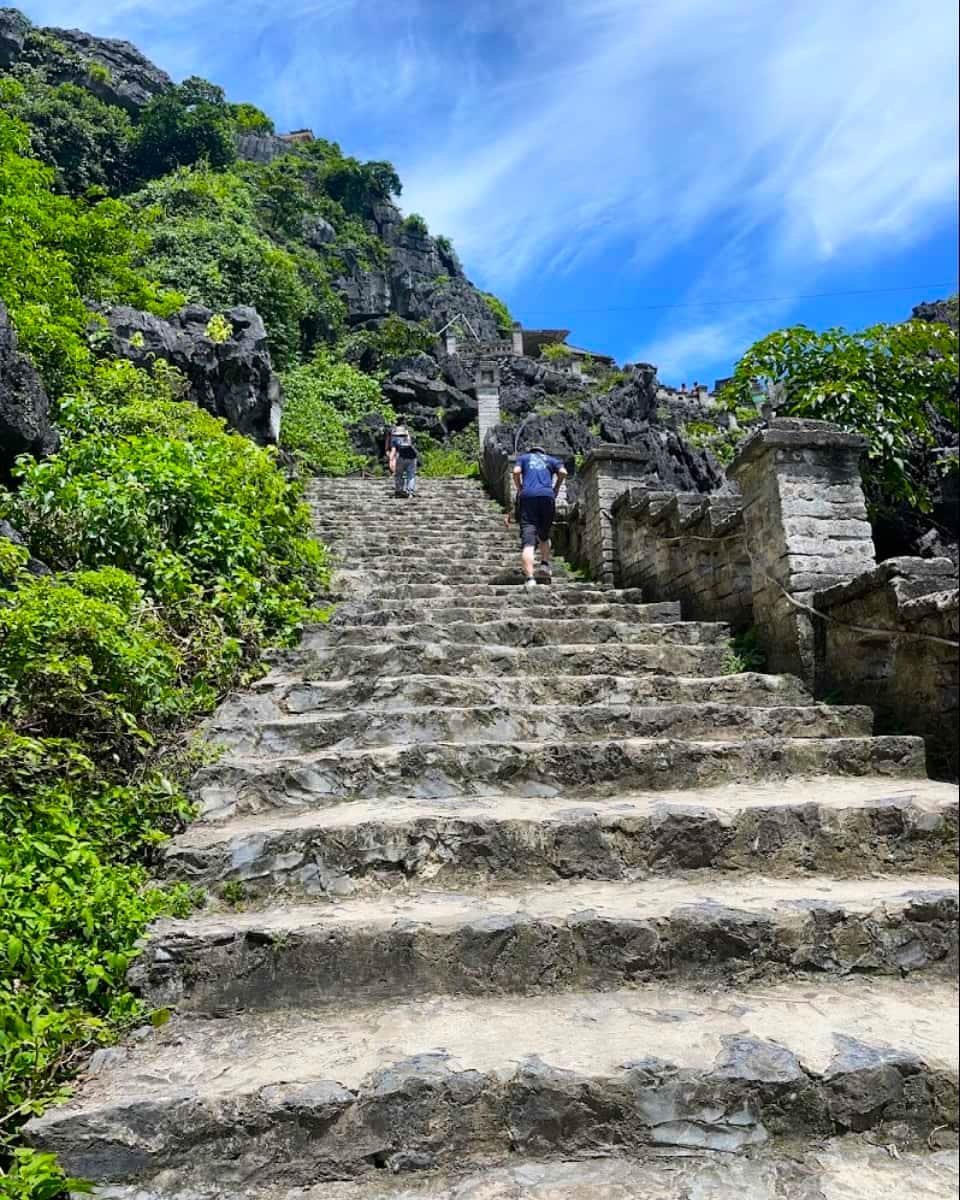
(793, 557)
(687, 547)
(890, 640)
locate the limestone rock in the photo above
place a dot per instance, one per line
(25, 425)
(233, 379)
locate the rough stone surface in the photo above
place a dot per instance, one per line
(25, 425)
(506, 877)
(65, 56)
(232, 379)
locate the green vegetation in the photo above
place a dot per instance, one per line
(457, 458)
(556, 352)
(887, 382)
(722, 443)
(323, 398)
(177, 551)
(416, 225)
(744, 653)
(500, 311)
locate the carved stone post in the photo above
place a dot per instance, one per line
(487, 390)
(607, 471)
(806, 526)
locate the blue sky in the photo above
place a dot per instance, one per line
(669, 179)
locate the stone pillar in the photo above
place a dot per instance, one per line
(516, 335)
(450, 342)
(607, 471)
(487, 390)
(806, 526)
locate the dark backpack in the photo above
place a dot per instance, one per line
(406, 450)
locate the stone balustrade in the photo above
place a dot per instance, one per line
(792, 557)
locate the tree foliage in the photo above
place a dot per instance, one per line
(57, 252)
(186, 124)
(890, 383)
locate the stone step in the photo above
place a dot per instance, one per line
(392, 575)
(279, 693)
(560, 592)
(402, 555)
(518, 631)
(832, 824)
(582, 769)
(300, 1096)
(543, 938)
(540, 607)
(352, 729)
(845, 1168)
(452, 658)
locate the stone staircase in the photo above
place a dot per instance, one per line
(521, 896)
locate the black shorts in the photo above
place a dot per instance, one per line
(535, 517)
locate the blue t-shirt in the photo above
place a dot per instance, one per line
(536, 474)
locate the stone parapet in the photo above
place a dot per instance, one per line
(806, 526)
(889, 639)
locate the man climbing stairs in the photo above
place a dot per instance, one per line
(520, 895)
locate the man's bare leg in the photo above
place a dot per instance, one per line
(545, 553)
(526, 556)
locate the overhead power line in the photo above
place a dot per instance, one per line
(744, 301)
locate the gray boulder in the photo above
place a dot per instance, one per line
(14, 27)
(430, 404)
(233, 379)
(131, 79)
(25, 425)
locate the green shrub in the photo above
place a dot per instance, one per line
(457, 458)
(883, 382)
(56, 252)
(219, 329)
(500, 311)
(247, 118)
(556, 352)
(183, 125)
(322, 399)
(416, 225)
(744, 653)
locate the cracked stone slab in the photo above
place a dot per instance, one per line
(840, 1169)
(846, 826)
(248, 783)
(303, 1095)
(541, 938)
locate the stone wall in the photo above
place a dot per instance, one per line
(911, 679)
(687, 547)
(792, 557)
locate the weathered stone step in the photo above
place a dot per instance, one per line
(502, 571)
(561, 592)
(300, 1096)
(279, 693)
(451, 658)
(783, 827)
(843, 1168)
(544, 938)
(575, 768)
(402, 555)
(352, 729)
(521, 631)
(536, 607)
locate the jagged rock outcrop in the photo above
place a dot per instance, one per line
(944, 311)
(14, 27)
(232, 378)
(126, 78)
(25, 425)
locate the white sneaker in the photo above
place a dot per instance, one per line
(530, 584)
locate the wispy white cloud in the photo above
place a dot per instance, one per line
(764, 141)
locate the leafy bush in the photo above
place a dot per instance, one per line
(416, 225)
(86, 141)
(500, 311)
(458, 458)
(54, 253)
(183, 125)
(744, 653)
(178, 549)
(884, 383)
(247, 118)
(556, 352)
(322, 399)
(206, 243)
(219, 328)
